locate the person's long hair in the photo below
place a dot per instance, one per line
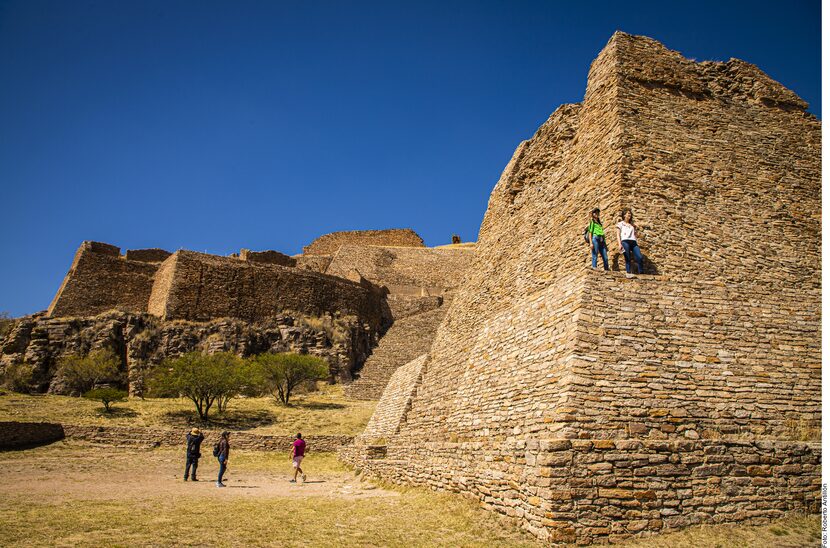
(622, 216)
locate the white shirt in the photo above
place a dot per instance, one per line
(626, 231)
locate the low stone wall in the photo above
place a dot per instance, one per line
(588, 491)
(17, 435)
(122, 436)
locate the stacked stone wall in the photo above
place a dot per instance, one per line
(267, 257)
(695, 358)
(724, 344)
(328, 244)
(405, 270)
(155, 437)
(153, 255)
(100, 279)
(589, 491)
(196, 286)
(315, 263)
(723, 168)
(402, 306)
(407, 339)
(20, 435)
(396, 400)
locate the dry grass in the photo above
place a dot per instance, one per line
(71, 494)
(125, 511)
(325, 412)
(792, 532)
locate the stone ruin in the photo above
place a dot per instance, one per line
(338, 300)
(588, 406)
(592, 406)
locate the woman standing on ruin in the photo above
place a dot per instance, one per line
(595, 237)
(627, 238)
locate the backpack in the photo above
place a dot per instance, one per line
(216, 449)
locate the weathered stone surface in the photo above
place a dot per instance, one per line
(328, 244)
(721, 339)
(100, 279)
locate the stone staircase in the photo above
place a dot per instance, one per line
(407, 339)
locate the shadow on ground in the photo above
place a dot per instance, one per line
(230, 420)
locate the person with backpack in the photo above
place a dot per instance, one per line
(594, 236)
(627, 238)
(221, 451)
(297, 454)
(194, 446)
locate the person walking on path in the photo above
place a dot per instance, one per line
(595, 237)
(223, 449)
(297, 454)
(627, 238)
(194, 446)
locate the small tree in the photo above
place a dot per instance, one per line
(18, 377)
(82, 374)
(282, 373)
(204, 380)
(107, 396)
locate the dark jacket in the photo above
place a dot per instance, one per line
(224, 449)
(194, 445)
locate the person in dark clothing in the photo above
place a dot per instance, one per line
(194, 445)
(224, 451)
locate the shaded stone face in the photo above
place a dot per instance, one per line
(720, 341)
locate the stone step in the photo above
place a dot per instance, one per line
(407, 339)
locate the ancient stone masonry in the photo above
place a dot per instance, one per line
(149, 305)
(405, 270)
(197, 286)
(100, 279)
(404, 341)
(328, 244)
(593, 406)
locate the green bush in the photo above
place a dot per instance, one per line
(18, 377)
(107, 396)
(81, 374)
(283, 373)
(203, 379)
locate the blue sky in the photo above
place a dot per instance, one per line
(220, 125)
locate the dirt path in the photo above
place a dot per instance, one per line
(94, 473)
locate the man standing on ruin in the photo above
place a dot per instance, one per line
(297, 454)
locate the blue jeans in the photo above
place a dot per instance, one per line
(599, 247)
(632, 250)
(221, 469)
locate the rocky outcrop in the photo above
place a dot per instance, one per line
(144, 341)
